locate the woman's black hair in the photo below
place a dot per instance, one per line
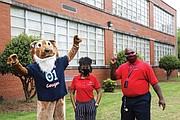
(85, 61)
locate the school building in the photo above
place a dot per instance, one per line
(106, 27)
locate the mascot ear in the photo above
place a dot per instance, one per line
(53, 42)
(32, 52)
(32, 45)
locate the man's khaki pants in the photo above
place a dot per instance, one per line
(50, 110)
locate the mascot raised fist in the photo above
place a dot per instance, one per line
(48, 73)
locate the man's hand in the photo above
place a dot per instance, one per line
(13, 59)
(162, 103)
(114, 60)
(113, 67)
(158, 91)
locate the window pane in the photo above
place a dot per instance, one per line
(34, 16)
(18, 22)
(16, 31)
(62, 30)
(35, 33)
(49, 28)
(34, 25)
(48, 36)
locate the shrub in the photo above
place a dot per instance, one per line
(20, 46)
(169, 63)
(109, 85)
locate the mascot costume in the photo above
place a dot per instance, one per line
(48, 73)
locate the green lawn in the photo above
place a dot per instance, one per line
(109, 108)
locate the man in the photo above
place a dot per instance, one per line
(136, 75)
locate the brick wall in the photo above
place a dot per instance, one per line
(108, 45)
(11, 87)
(5, 29)
(161, 73)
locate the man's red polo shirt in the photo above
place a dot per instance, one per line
(141, 74)
(84, 87)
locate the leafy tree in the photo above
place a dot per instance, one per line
(178, 35)
(169, 63)
(20, 46)
(122, 59)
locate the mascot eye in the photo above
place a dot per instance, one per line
(49, 43)
(39, 45)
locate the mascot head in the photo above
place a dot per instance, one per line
(44, 53)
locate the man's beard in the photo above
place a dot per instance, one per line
(46, 64)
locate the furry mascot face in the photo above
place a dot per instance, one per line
(44, 53)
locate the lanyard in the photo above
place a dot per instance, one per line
(129, 72)
(126, 85)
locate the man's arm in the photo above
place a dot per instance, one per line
(113, 68)
(158, 91)
(113, 72)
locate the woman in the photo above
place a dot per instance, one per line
(83, 84)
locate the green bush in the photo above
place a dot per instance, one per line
(169, 63)
(109, 85)
(20, 46)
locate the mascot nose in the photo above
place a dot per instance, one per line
(47, 50)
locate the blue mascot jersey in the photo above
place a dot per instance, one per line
(50, 86)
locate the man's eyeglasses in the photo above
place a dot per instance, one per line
(126, 54)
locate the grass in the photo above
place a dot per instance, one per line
(109, 108)
(171, 92)
(18, 116)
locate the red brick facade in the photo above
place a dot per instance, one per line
(11, 87)
(5, 29)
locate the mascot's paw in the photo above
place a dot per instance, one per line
(77, 40)
(13, 59)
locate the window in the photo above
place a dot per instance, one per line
(141, 46)
(163, 21)
(34, 23)
(17, 21)
(96, 3)
(135, 10)
(63, 31)
(160, 50)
